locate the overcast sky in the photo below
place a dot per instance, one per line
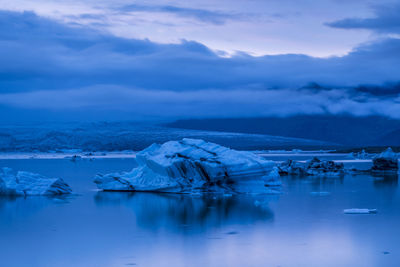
(123, 59)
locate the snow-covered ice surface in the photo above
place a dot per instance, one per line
(30, 184)
(360, 211)
(192, 165)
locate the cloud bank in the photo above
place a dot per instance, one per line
(51, 66)
(205, 103)
(203, 15)
(386, 20)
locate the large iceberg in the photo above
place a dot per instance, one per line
(193, 166)
(30, 184)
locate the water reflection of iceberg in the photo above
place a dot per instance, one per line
(390, 180)
(316, 180)
(194, 212)
(12, 207)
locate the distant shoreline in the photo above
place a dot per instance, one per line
(132, 154)
(69, 156)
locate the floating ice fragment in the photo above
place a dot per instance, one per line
(358, 155)
(313, 167)
(321, 193)
(360, 211)
(29, 184)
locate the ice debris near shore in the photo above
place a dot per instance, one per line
(30, 184)
(386, 161)
(194, 166)
(313, 167)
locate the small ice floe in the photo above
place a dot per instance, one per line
(320, 193)
(358, 155)
(386, 161)
(193, 166)
(297, 151)
(273, 178)
(232, 233)
(272, 181)
(30, 184)
(360, 211)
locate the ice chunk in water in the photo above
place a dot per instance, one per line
(190, 166)
(29, 184)
(360, 211)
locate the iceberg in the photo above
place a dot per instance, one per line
(386, 161)
(358, 155)
(324, 168)
(291, 167)
(30, 184)
(193, 166)
(313, 167)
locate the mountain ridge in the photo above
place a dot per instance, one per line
(345, 130)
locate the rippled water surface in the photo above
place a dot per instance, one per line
(300, 227)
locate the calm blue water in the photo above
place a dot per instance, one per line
(296, 228)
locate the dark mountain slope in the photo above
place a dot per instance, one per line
(346, 130)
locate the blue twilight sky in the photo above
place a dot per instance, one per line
(111, 60)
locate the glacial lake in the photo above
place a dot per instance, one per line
(303, 226)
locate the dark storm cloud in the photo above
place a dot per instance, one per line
(388, 90)
(386, 20)
(47, 65)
